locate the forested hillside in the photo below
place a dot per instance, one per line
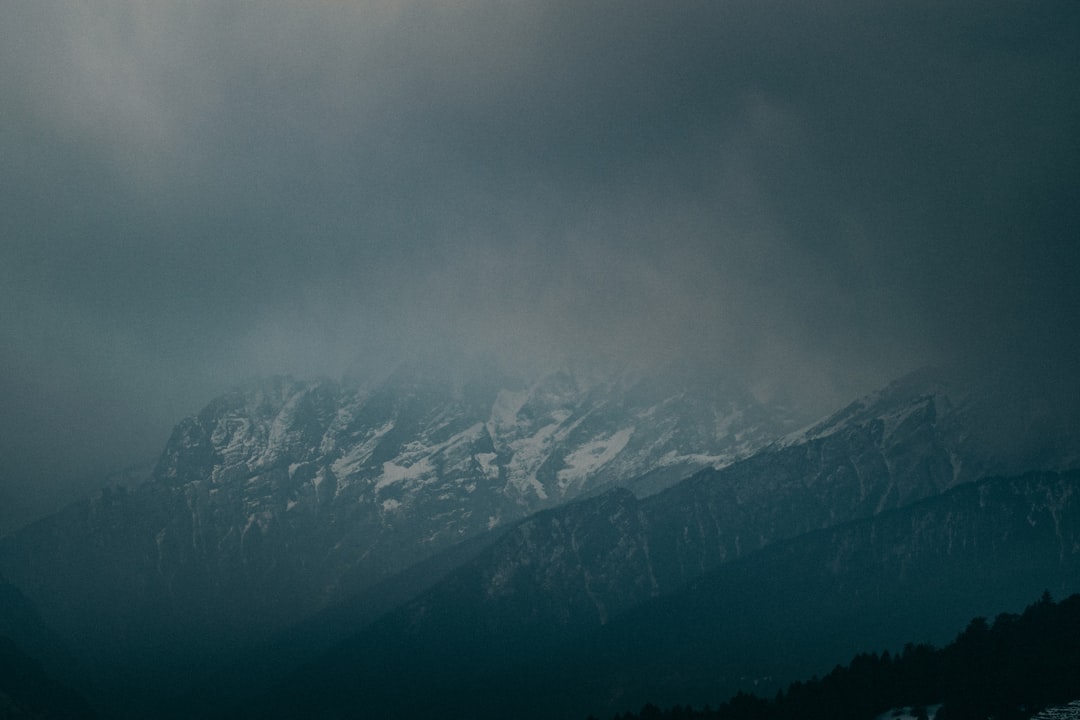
(1008, 669)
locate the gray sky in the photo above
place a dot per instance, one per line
(816, 196)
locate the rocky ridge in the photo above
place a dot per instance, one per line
(283, 497)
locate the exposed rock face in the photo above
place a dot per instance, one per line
(282, 497)
(584, 563)
(562, 602)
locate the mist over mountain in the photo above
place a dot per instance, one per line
(283, 498)
(511, 519)
(815, 199)
(335, 327)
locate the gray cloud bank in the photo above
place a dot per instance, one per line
(816, 198)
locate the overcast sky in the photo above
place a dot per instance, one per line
(814, 196)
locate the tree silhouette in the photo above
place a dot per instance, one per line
(1011, 668)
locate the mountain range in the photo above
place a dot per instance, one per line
(408, 545)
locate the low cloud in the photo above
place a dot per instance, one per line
(815, 199)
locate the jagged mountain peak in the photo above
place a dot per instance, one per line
(285, 495)
(928, 389)
(989, 421)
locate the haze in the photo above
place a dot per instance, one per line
(815, 199)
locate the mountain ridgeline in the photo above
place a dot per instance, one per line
(568, 601)
(457, 546)
(285, 498)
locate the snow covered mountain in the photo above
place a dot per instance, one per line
(582, 564)
(282, 497)
(888, 509)
(548, 507)
(985, 425)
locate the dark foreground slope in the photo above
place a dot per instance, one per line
(30, 688)
(28, 692)
(1009, 669)
(794, 608)
(21, 623)
(36, 668)
(798, 607)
